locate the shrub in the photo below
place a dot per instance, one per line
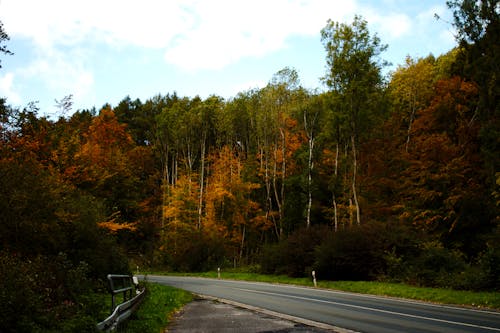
(489, 262)
(351, 254)
(435, 266)
(271, 258)
(198, 253)
(48, 294)
(294, 256)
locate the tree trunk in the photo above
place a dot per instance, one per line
(202, 179)
(283, 177)
(278, 194)
(410, 121)
(334, 199)
(165, 188)
(242, 242)
(309, 129)
(309, 181)
(354, 171)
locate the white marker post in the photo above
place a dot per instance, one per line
(218, 272)
(314, 279)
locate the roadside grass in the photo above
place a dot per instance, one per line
(486, 299)
(483, 299)
(155, 312)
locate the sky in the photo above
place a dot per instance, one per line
(101, 51)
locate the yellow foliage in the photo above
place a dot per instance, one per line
(113, 226)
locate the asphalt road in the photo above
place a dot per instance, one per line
(360, 313)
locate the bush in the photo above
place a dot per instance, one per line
(198, 253)
(435, 266)
(294, 256)
(351, 254)
(489, 262)
(272, 258)
(48, 294)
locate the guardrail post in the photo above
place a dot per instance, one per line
(121, 284)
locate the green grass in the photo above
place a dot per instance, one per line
(435, 295)
(157, 309)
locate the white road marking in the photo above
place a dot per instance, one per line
(372, 309)
(390, 298)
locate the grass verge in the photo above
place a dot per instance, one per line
(157, 309)
(436, 295)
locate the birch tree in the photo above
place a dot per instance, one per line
(354, 72)
(310, 115)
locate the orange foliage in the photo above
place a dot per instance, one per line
(104, 151)
(441, 175)
(228, 206)
(115, 227)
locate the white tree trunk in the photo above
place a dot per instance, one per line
(354, 171)
(202, 181)
(309, 181)
(334, 199)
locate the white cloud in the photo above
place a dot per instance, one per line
(139, 22)
(395, 25)
(227, 30)
(195, 34)
(7, 90)
(61, 74)
(431, 31)
(389, 24)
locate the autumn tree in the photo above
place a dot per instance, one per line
(274, 137)
(206, 114)
(411, 88)
(444, 188)
(49, 230)
(478, 27)
(231, 212)
(103, 168)
(354, 73)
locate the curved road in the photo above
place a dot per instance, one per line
(357, 312)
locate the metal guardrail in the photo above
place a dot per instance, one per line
(126, 285)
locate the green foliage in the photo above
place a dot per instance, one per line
(489, 262)
(294, 256)
(155, 312)
(199, 252)
(48, 294)
(381, 251)
(352, 254)
(437, 295)
(54, 257)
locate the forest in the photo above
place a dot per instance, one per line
(378, 177)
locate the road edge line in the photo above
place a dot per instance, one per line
(307, 322)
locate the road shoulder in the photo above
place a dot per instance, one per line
(208, 314)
